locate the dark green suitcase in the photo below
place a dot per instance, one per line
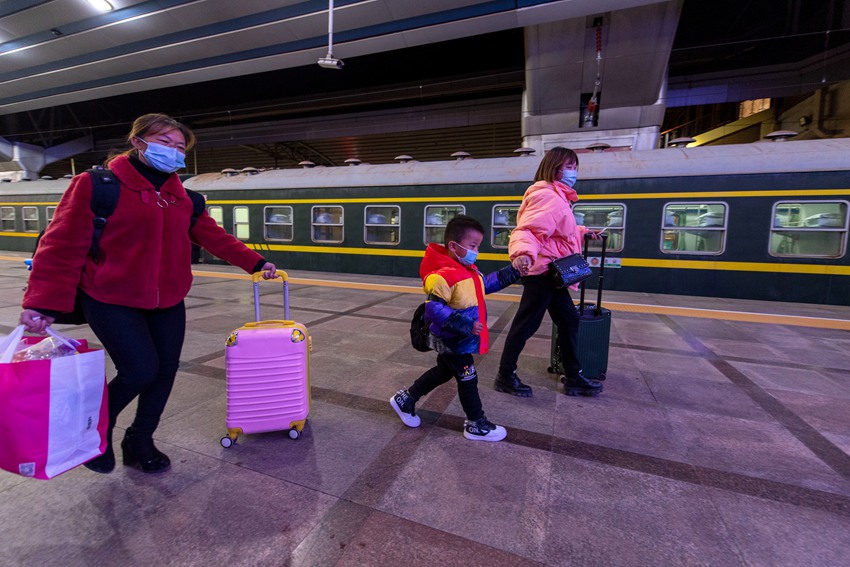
(594, 333)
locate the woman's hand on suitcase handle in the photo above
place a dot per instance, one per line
(35, 322)
(269, 270)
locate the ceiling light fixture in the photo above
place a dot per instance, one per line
(101, 5)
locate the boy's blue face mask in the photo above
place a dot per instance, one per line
(469, 259)
(569, 177)
(163, 158)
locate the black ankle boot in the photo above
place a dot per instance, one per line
(106, 462)
(139, 451)
(579, 385)
(512, 385)
(103, 464)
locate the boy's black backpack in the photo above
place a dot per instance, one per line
(104, 198)
(419, 330)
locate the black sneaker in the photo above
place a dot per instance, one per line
(405, 407)
(482, 430)
(512, 385)
(581, 386)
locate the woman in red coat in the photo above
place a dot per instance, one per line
(132, 292)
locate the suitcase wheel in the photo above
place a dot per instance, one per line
(229, 439)
(294, 434)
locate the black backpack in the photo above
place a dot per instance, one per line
(104, 198)
(419, 330)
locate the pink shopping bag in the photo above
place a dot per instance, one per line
(53, 412)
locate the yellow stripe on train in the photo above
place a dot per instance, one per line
(773, 267)
(499, 198)
(583, 197)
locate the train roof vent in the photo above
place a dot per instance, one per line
(229, 171)
(250, 170)
(680, 142)
(598, 147)
(353, 161)
(460, 156)
(524, 151)
(307, 164)
(403, 158)
(47, 177)
(780, 135)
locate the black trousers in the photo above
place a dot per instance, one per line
(145, 346)
(539, 295)
(462, 368)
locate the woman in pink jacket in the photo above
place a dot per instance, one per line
(546, 230)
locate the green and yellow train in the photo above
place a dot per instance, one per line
(767, 220)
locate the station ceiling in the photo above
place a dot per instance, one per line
(237, 70)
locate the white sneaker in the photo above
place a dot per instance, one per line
(405, 407)
(483, 430)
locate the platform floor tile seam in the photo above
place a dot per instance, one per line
(827, 451)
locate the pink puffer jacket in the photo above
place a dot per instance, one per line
(546, 228)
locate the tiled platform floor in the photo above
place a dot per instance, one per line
(714, 443)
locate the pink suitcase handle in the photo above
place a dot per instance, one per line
(256, 278)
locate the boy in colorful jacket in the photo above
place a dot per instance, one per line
(457, 316)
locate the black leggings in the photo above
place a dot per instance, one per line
(538, 296)
(145, 346)
(462, 368)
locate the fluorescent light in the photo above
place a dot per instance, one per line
(101, 5)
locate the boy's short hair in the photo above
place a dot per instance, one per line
(458, 227)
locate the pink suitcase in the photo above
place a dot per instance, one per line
(268, 374)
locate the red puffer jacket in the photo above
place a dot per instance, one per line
(145, 250)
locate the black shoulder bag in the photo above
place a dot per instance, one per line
(569, 270)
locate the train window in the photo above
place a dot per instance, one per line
(278, 223)
(7, 219)
(241, 223)
(382, 224)
(811, 229)
(436, 219)
(30, 215)
(327, 224)
(694, 228)
(217, 214)
(504, 221)
(50, 212)
(608, 216)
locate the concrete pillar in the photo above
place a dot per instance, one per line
(32, 159)
(561, 70)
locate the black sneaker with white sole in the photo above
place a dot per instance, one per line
(482, 430)
(405, 407)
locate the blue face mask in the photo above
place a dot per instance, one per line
(469, 259)
(569, 177)
(163, 158)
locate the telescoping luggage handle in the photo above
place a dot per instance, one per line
(256, 278)
(598, 311)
